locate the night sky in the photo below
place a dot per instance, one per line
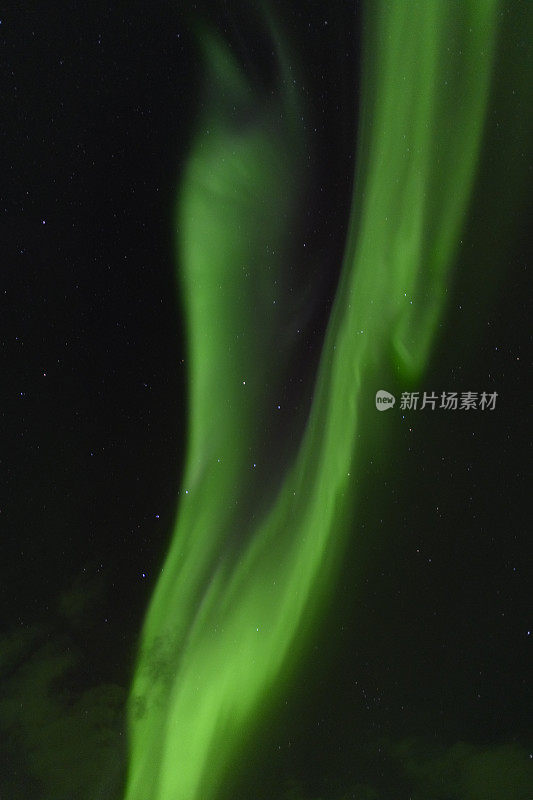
(416, 683)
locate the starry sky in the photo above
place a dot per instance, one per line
(416, 681)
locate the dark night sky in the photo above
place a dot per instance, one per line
(428, 636)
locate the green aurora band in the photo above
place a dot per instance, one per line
(241, 584)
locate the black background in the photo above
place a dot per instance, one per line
(432, 639)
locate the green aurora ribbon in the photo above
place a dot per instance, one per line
(243, 581)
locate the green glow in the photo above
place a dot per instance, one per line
(237, 587)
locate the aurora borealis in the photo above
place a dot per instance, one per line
(236, 587)
(227, 576)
